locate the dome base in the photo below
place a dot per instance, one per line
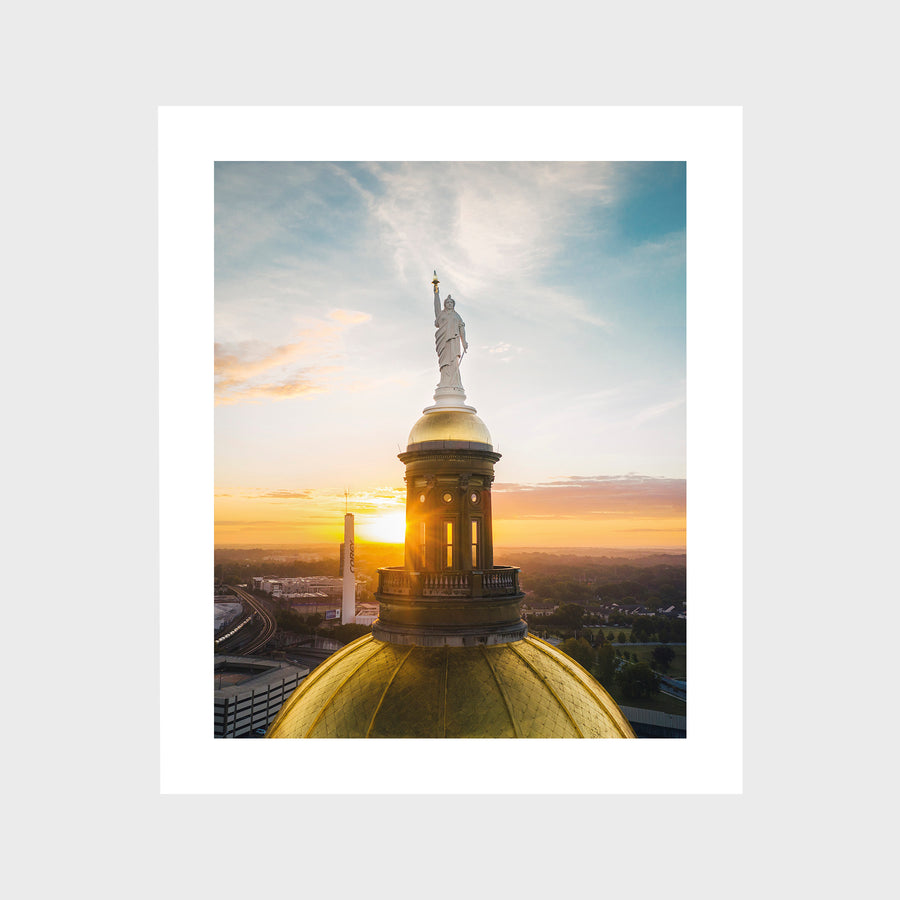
(448, 636)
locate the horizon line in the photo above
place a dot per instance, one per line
(336, 546)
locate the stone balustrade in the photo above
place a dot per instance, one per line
(394, 582)
(500, 581)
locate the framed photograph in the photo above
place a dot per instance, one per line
(551, 295)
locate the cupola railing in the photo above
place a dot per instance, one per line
(499, 581)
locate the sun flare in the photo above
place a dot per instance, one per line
(389, 528)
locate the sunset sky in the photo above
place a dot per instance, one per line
(570, 278)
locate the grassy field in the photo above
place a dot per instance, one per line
(677, 668)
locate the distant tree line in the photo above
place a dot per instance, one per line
(295, 623)
(658, 585)
(241, 571)
(571, 617)
(241, 565)
(656, 628)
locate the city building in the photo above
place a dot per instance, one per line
(450, 655)
(649, 723)
(250, 691)
(311, 586)
(366, 613)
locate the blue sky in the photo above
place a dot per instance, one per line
(570, 278)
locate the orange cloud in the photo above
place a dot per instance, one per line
(251, 370)
(286, 495)
(600, 496)
(276, 391)
(593, 511)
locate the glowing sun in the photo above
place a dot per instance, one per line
(389, 528)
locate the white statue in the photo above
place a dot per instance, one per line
(450, 334)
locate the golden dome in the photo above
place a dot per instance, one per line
(449, 425)
(525, 688)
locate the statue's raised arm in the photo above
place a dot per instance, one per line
(449, 338)
(437, 299)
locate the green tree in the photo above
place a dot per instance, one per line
(571, 615)
(663, 657)
(292, 622)
(605, 665)
(620, 637)
(641, 631)
(638, 681)
(580, 650)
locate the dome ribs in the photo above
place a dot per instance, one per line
(512, 718)
(590, 684)
(300, 695)
(387, 687)
(444, 677)
(343, 681)
(549, 688)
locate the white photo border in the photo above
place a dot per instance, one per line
(709, 139)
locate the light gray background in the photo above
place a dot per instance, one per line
(83, 84)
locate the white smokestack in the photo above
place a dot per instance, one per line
(348, 603)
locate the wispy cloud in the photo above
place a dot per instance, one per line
(486, 225)
(598, 496)
(370, 500)
(280, 524)
(659, 409)
(286, 495)
(375, 500)
(253, 370)
(295, 386)
(503, 352)
(238, 363)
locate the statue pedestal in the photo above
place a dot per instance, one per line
(450, 397)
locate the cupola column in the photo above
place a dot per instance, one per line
(448, 508)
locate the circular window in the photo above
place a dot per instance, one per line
(448, 497)
(474, 497)
(421, 498)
